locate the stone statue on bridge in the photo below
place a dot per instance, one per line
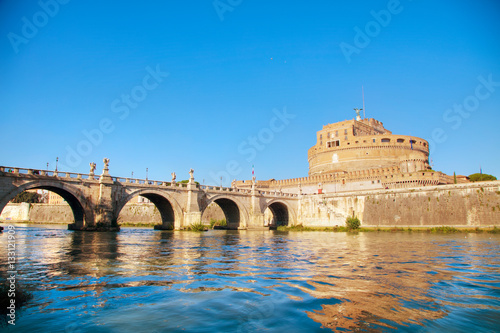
(92, 168)
(191, 172)
(106, 163)
(105, 171)
(174, 177)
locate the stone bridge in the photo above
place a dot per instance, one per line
(96, 201)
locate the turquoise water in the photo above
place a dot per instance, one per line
(141, 280)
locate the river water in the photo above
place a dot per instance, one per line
(141, 280)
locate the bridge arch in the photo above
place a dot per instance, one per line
(235, 212)
(80, 206)
(282, 213)
(169, 208)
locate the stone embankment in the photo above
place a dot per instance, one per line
(460, 205)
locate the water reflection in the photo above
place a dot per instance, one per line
(246, 281)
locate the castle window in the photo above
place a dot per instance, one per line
(345, 138)
(328, 135)
(386, 140)
(332, 144)
(321, 136)
(373, 140)
(425, 144)
(401, 140)
(336, 133)
(345, 132)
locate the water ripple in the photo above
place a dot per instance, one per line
(248, 281)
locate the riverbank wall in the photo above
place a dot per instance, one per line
(459, 205)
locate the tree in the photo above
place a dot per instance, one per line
(481, 177)
(29, 197)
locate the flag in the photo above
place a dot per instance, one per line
(253, 171)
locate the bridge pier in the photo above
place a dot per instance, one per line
(191, 218)
(104, 211)
(256, 221)
(256, 214)
(192, 215)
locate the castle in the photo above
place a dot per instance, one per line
(360, 154)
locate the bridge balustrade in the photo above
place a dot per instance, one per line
(46, 173)
(93, 177)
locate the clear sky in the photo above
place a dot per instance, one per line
(219, 86)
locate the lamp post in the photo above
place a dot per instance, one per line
(47, 166)
(57, 160)
(132, 175)
(146, 174)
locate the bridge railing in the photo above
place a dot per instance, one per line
(247, 191)
(148, 182)
(223, 189)
(279, 194)
(47, 173)
(80, 176)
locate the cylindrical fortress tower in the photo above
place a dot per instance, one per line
(364, 144)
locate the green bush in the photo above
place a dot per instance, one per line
(219, 223)
(198, 226)
(352, 223)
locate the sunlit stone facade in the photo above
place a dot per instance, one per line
(364, 144)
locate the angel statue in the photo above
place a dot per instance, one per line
(92, 168)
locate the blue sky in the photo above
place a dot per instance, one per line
(219, 86)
